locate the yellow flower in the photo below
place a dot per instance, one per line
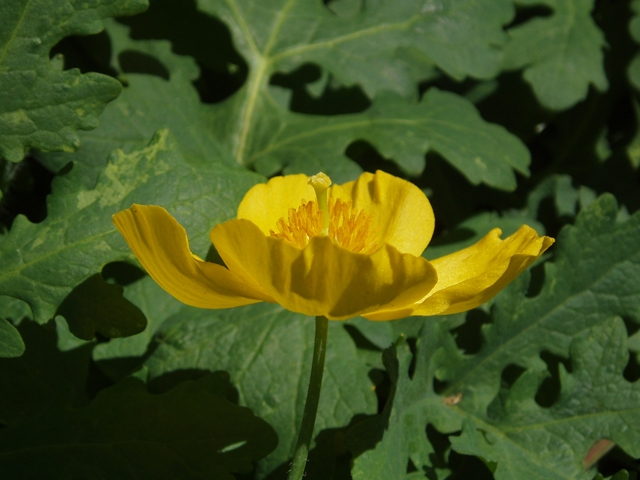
(363, 258)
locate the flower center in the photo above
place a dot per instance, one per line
(349, 229)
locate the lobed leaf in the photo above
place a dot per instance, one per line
(633, 149)
(11, 344)
(42, 106)
(383, 445)
(593, 258)
(14, 309)
(442, 122)
(368, 49)
(460, 37)
(267, 352)
(561, 54)
(634, 29)
(595, 403)
(129, 123)
(41, 264)
(574, 315)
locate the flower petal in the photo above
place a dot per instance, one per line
(266, 203)
(160, 244)
(401, 212)
(474, 275)
(323, 278)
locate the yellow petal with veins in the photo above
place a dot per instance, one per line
(323, 278)
(474, 275)
(401, 213)
(366, 263)
(160, 244)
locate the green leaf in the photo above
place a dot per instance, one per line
(384, 334)
(43, 375)
(190, 432)
(129, 122)
(595, 276)
(96, 306)
(460, 37)
(11, 344)
(267, 352)
(633, 149)
(595, 402)
(560, 189)
(442, 122)
(561, 54)
(634, 342)
(383, 445)
(621, 475)
(156, 305)
(41, 264)
(634, 29)
(14, 309)
(67, 340)
(42, 106)
(366, 49)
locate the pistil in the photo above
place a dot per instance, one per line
(321, 183)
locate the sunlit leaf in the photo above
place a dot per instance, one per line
(573, 317)
(562, 55)
(42, 106)
(42, 263)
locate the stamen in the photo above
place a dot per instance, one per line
(351, 230)
(303, 224)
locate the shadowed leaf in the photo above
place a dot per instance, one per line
(11, 344)
(190, 432)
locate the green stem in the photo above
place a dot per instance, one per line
(313, 396)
